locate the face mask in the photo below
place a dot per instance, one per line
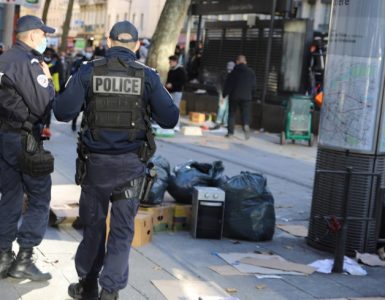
(47, 59)
(88, 55)
(43, 45)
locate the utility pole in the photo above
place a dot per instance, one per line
(9, 18)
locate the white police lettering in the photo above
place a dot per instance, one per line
(117, 85)
(42, 80)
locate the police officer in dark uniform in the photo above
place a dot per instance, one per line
(26, 92)
(120, 97)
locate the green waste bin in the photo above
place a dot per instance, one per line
(298, 120)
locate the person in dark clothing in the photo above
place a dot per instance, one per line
(176, 79)
(26, 92)
(240, 86)
(120, 97)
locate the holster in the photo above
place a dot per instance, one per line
(81, 162)
(34, 160)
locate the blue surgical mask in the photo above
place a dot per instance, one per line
(43, 45)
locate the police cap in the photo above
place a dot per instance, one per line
(124, 27)
(29, 22)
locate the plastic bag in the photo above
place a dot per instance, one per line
(249, 208)
(162, 167)
(191, 174)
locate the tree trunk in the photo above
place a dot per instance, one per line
(45, 11)
(166, 35)
(66, 26)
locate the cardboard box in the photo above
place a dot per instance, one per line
(143, 229)
(197, 117)
(182, 217)
(162, 216)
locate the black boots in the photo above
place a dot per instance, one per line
(85, 289)
(104, 295)
(7, 258)
(24, 267)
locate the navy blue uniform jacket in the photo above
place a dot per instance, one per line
(24, 88)
(68, 104)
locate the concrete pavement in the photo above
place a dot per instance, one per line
(175, 255)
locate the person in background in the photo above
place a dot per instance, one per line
(240, 86)
(176, 79)
(223, 104)
(143, 50)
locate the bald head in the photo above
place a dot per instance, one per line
(241, 59)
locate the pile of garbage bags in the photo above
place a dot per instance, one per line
(249, 205)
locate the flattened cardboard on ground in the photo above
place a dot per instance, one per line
(226, 270)
(189, 290)
(370, 259)
(234, 260)
(64, 203)
(296, 230)
(192, 131)
(278, 264)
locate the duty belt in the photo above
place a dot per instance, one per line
(5, 126)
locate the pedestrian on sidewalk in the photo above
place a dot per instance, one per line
(240, 86)
(120, 98)
(176, 79)
(26, 93)
(223, 103)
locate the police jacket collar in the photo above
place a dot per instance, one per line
(124, 53)
(23, 46)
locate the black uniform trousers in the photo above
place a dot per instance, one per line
(245, 107)
(107, 174)
(13, 185)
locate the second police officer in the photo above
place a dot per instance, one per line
(120, 97)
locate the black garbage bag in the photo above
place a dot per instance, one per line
(191, 174)
(249, 208)
(162, 167)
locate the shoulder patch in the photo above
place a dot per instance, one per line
(85, 62)
(34, 60)
(42, 80)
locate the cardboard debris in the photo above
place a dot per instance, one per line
(231, 290)
(370, 259)
(189, 290)
(275, 263)
(235, 258)
(64, 204)
(268, 277)
(260, 286)
(296, 230)
(226, 270)
(192, 131)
